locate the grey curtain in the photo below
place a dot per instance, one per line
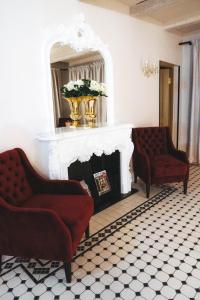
(93, 71)
(185, 97)
(194, 113)
(56, 83)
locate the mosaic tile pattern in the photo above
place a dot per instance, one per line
(152, 252)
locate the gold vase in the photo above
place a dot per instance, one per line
(74, 103)
(90, 110)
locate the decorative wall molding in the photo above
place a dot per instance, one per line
(60, 149)
(80, 36)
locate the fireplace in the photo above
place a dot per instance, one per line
(91, 154)
(105, 168)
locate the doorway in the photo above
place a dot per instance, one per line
(169, 78)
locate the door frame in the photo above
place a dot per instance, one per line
(169, 65)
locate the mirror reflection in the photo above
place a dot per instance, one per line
(68, 65)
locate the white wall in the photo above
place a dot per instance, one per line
(23, 26)
(131, 40)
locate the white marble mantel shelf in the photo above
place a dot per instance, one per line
(67, 132)
(59, 149)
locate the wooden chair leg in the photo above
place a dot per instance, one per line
(68, 271)
(147, 189)
(87, 232)
(185, 184)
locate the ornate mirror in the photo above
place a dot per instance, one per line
(68, 47)
(68, 65)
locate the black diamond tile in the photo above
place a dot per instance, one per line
(158, 292)
(117, 295)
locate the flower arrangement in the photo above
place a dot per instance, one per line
(83, 87)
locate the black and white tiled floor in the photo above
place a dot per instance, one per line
(152, 252)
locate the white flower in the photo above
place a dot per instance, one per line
(70, 85)
(79, 82)
(103, 88)
(99, 88)
(95, 86)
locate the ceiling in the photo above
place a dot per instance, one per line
(178, 16)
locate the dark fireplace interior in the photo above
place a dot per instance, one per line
(105, 189)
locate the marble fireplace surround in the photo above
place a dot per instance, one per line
(60, 148)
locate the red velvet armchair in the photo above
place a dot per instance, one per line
(39, 218)
(155, 159)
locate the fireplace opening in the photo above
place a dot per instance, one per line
(102, 176)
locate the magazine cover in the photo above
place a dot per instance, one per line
(102, 182)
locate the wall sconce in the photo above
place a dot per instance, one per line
(149, 68)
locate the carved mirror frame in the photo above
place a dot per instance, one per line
(79, 36)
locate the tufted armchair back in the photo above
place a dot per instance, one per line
(14, 186)
(151, 140)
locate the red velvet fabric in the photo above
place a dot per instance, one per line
(39, 218)
(155, 159)
(14, 186)
(33, 233)
(152, 141)
(166, 166)
(65, 206)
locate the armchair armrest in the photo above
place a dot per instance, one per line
(37, 233)
(42, 185)
(180, 155)
(70, 187)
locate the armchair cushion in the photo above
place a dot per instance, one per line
(64, 205)
(166, 166)
(14, 186)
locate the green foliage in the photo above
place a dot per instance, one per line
(84, 87)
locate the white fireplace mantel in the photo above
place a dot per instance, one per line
(59, 149)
